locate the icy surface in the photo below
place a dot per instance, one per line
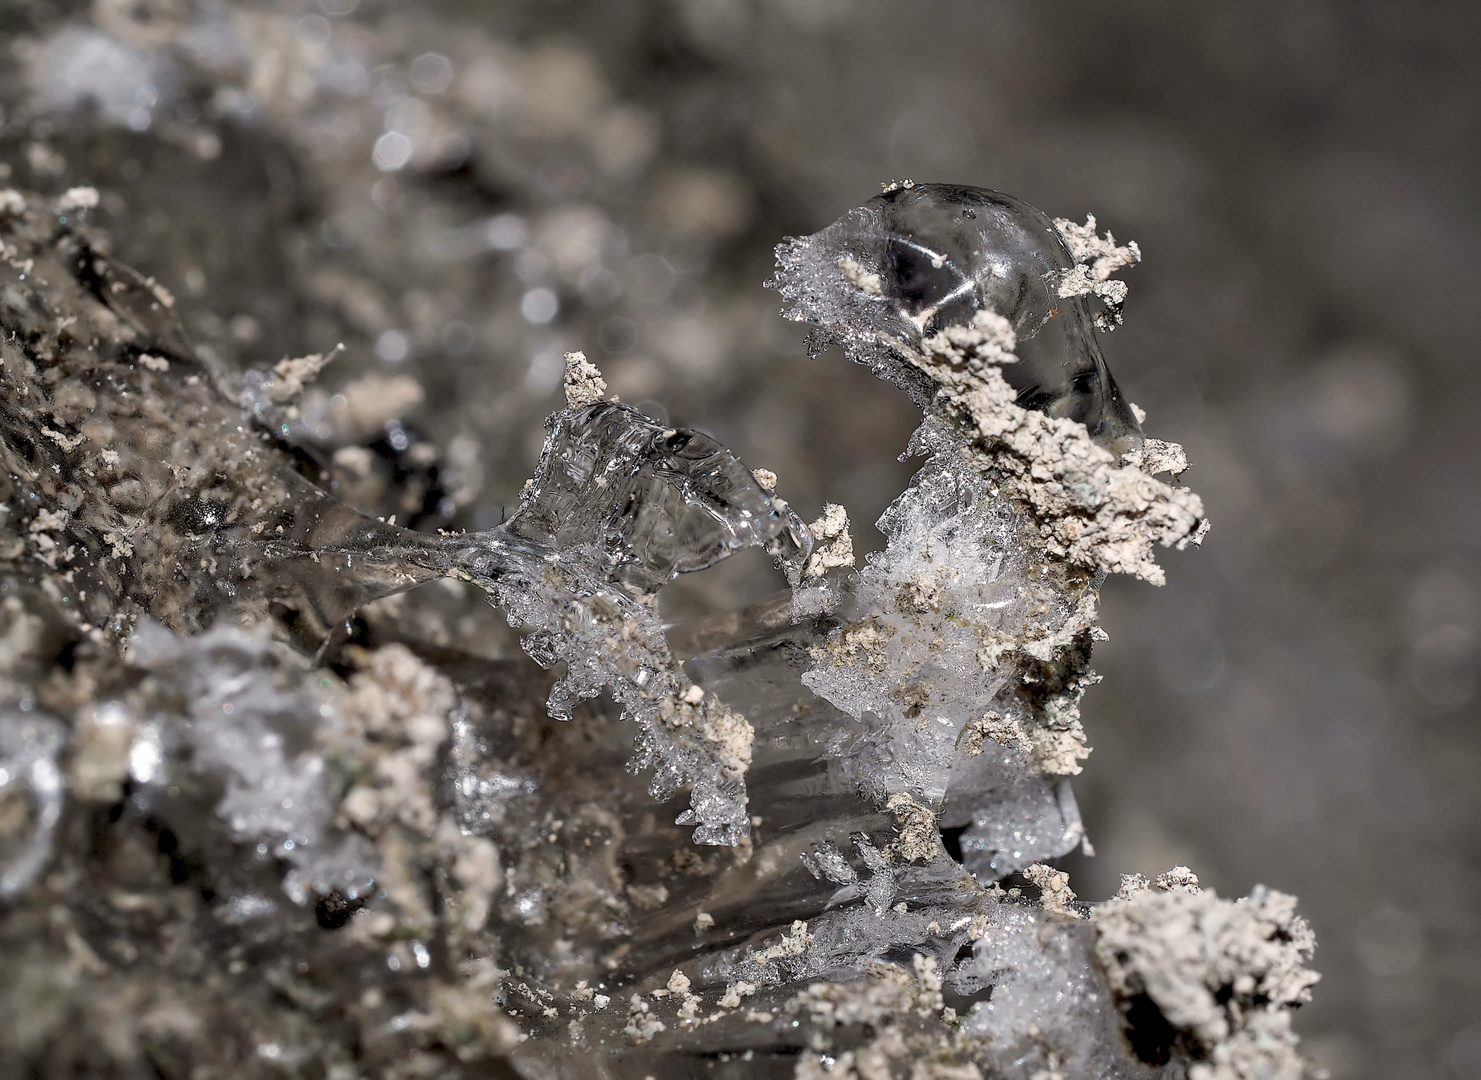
(618, 506)
(965, 643)
(838, 855)
(230, 711)
(921, 260)
(29, 745)
(967, 318)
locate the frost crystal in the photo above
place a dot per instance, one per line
(229, 709)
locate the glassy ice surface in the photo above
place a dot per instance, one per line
(650, 502)
(618, 506)
(915, 260)
(835, 855)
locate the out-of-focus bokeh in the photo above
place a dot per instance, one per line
(461, 191)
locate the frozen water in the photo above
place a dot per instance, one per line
(938, 686)
(29, 745)
(917, 260)
(1050, 1010)
(647, 501)
(618, 506)
(879, 750)
(228, 712)
(1032, 822)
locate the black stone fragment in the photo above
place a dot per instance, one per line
(335, 910)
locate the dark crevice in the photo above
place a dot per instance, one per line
(1148, 1032)
(951, 840)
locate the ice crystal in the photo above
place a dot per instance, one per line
(876, 751)
(229, 711)
(926, 260)
(618, 506)
(29, 745)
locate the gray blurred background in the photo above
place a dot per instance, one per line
(461, 191)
